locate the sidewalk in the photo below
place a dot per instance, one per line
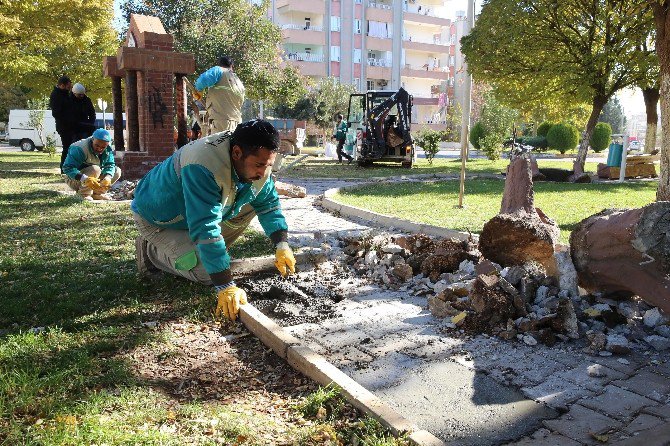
(477, 390)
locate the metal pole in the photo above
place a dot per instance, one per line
(461, 189)
(622, 170)
(467, 94)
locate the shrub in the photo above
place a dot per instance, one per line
(601, 137)
(544, 128)
(492, 146)
(563, 137)
(538, 142)
(429, 141)
(477, 132)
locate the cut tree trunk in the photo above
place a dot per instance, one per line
(651, 96)
(520, 233)
(599, 102)
(625, 252)
(661, 17)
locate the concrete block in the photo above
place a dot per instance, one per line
(553, 439)
(265, 329)
(643, 422)
(349, 355)
(341, 338)
(657, 436)
(647, 384)
(659, 411)
(425, 438)
(580, 376)
(556, 392)
(385, 371)
(580, 422)
(618, 403)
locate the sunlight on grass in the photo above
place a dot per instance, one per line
(436, 202)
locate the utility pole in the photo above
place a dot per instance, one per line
(467, 107)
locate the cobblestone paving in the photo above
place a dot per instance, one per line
(479, 390)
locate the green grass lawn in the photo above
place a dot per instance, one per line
(71, 320)
(436, 202)
(326, 168)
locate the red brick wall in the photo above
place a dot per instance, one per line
(134, 165)
(156, 112)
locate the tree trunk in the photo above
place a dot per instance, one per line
(651, 96)
(625, 252)
(520, 233)
(599, 102)
(662, 18)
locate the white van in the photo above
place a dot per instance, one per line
(22, 135)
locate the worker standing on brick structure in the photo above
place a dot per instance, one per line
(225, 96)
(193, 205)
(90, 166)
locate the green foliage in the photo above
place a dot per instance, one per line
(601, 137)
(205, 29)
(454, 122)
(429, 140)
(539, 142)
(36, 109)
(543, 128)
(563, 137)
(477, 132)
(50, 145)
(304, 110)
(369, 432)
(496, 118)
(325, 403)
(10, 98)
(491, 145)
(330, 97)
(613, 115)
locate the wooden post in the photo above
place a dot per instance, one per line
(132, 113)
(622, 171)
(464, 148)
(117, 111)
(180, 92)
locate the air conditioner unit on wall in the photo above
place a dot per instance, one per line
(383, 82)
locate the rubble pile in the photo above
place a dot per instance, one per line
(122, 190)
(475, 295)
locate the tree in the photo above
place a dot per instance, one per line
(662, 21)
(559, 54)
(563, 137)
(330, 97)
(454, 122)
(10, 98)
(429, 140)
(41, 41)
(613, 115)
(601, 137)
(237, 28)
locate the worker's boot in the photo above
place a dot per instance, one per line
(144, 266)
(101, 197)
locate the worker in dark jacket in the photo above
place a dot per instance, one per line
(60, 104)
(83, 113)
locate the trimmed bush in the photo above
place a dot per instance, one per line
(563, 137)
(492, 146)
(539, 142)
(544, 128)
(477, 132)
(601, 137)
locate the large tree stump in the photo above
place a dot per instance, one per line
(625, 252)
(520, 233)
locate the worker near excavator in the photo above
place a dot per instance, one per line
(90, 168)
(340, 136)
(225, 95)
(196, 203)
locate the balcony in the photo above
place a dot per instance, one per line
(379, 12)
(423, 72)
(424, 15)
(379, 62)
(305, 57)
(378, 72)
(312, 35)
(308, 64)
(379, 44)
(309, 6)
(425, 44)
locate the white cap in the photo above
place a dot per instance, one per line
(78, 88)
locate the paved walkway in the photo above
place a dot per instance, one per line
(478, 390)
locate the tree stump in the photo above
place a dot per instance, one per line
(578, 175)
(625, 252)
(520, 233)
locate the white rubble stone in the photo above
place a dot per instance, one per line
(541, 293)
(625, 309)
(467, 266)
(596, 371)
(529, 340)
(663, 330)
(567, 275)
(371, 258)
(602, 307)
(617, 344)
(659, 343)
(440, 286)
(653, 317)
(392, 248)
(623, 361)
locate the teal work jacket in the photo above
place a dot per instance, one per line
(80, 155)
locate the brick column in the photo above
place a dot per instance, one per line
(156, 112)
(117, 110)
(132, 122)
(180, 92)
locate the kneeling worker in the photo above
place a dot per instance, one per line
(90, 168)
(193, 205)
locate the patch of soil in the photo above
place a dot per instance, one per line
(305, 297)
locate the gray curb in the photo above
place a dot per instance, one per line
(315, 366)
(386, 220)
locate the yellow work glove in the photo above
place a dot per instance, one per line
(91, 182)
(229, 301)
(197, 95)
(284, 260)
(105, 184)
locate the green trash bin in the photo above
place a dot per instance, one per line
(614, 155)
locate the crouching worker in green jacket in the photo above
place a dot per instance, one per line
(90, 168)
(193, 205)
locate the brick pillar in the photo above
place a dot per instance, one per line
(180, 92)
(156, 112)
(132, 122)
(117, 110)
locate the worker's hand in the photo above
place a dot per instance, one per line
(197, 95)
(229, 301)
(284, 259)
(91, 182)
(105, 184)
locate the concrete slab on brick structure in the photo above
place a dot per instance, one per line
(463, 407)
(556, 392)
(580, 423)
(647, 384)
(618, 403)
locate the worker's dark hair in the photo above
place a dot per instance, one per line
(339, 116)
(226, 62)
(63, 80)
(253, 135)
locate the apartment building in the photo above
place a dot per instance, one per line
(375, 45)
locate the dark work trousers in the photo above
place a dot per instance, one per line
(66, 138)
(341, 153)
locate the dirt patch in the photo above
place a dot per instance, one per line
(306, 297)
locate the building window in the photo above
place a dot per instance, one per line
(370, 84)
(335, 23)
(357, 26)
(335, 53)
(357, 84)
(308, 22)
(452, 61)
(357, 55)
